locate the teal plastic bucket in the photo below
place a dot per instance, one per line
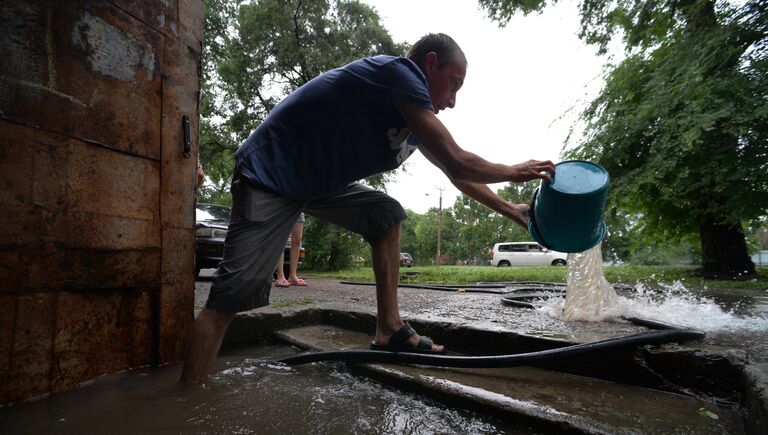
(567, 214)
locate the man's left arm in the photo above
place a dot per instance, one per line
(484, 195)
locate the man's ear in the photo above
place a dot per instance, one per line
(430, 62)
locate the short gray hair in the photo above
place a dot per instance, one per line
(447, 50)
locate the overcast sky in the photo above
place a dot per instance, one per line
(520, 81)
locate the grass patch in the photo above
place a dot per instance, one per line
(626, 274)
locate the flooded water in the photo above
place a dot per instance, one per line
(246, 394)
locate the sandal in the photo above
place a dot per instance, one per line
(298, 282)
(282, 283)
(398, 342)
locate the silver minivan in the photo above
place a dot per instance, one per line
(525, 254)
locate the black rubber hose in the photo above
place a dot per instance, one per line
(373, 356)
(666, 334)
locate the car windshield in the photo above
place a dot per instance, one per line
(207, 212)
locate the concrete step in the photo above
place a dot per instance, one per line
(557, 400)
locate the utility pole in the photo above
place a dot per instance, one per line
(439, 224)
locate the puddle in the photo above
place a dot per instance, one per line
(245, 394)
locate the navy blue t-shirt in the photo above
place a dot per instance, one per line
(339, 127)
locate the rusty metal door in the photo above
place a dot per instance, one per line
(96, 192)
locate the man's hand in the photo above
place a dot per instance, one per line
(519, 214)
(533, 169)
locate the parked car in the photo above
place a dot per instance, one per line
(211, 229)
(211, 226)
(525, 254)
(406, 260)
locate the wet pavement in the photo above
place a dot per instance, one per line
(727, 370)
(719, 385)
(480, 310)
(485, 311)
(567, 402)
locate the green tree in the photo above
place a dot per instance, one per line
(217, 144)
(408, 242)
(425, 233)
(477, 229)
(256, 53)
(517, 193)
(682, 122)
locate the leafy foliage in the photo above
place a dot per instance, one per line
(681, 123)
(502, 11)
(469, 229)
(258, 52)
(217, 145)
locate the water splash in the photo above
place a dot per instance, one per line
(590, 297)
(674, 303)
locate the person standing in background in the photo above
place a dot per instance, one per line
(293, 278)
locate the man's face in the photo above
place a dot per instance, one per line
(444, 83)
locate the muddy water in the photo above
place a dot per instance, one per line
(246, 394)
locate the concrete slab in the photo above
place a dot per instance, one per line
(554, 399)
(757, 397)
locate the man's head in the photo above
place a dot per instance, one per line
(443, 63)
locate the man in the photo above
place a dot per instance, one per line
(358, 120)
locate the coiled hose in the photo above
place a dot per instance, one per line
(664, 333)
(521, 359)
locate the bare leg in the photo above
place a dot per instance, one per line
(298, 230)
(204, 343)
(386, 268)
(280, 272)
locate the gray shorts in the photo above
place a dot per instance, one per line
(261, 222)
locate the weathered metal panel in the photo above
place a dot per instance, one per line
(161, 15)
(101, 332)
(83, 69)
(181, 80)
(96, 264)
(110, 232)
(50, 267)
(33, 170)
(79, 215)
(179, 99)
(31, 361)
(177, 294)
(16, 163)
(191, 16)
(30, 225)
(104, 182)
(60, 189)
(7, 322)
